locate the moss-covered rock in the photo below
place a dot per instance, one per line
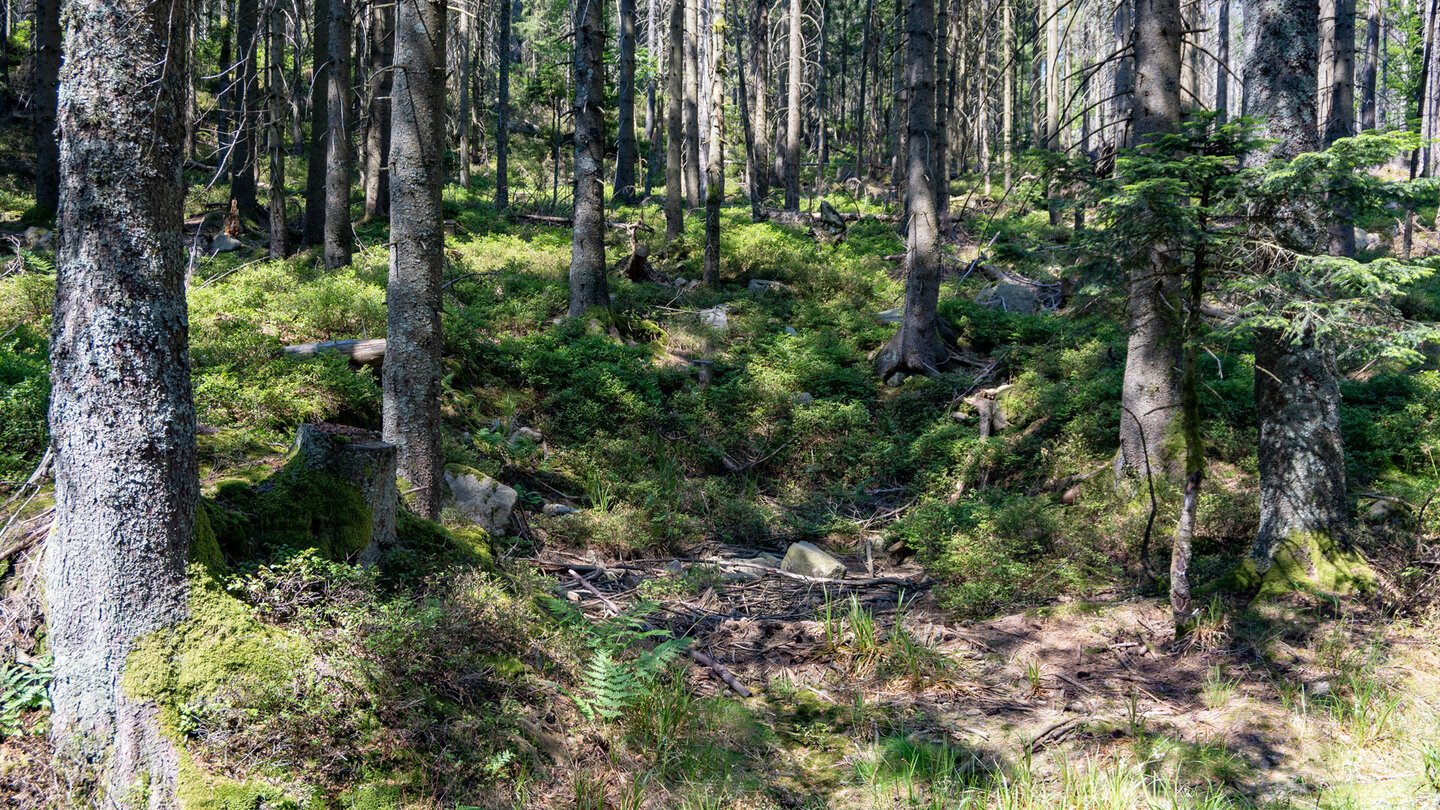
(296, 508)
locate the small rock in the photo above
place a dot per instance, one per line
(895, 315)
(762, 286)
(32, 237)
(1385, 511)
(675, 567)
(1319, 689)
(810, 560)
(482, 501)
(896, 380)
(790, 330)
(1009, 298)
(738, 575)
(767, 560)
(558, 509)
(716, 318)
(830, 218)
(525, 434)
(681, 281)
(224, 243)
(802, 398)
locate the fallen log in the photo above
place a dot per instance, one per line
(699, 657)
(361, 352)
(796, 216)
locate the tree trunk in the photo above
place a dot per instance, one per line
(502, 114)
(588, 287)
(377, 111)
(760, 72)
(1181, 611)
(940, 160)
(867, 46)
(359, 459)
(674, 128)
(339, 239)
(625, 143)
(1052, 96)
(121, 413)
(916, 348)
(653, 158)
(463, 114)
(692, 109)
(1222, 61)
(1123, 27)
(275, 135)
(792, 110)
(754, 168)
(715, 168)
(411, 375)
(1340, 109)
(1368, 70)
(1007, 95)
(314, 228)
(1150, 393)
(242, 154)
(47, 82)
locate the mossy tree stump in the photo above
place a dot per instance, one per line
(361, 459)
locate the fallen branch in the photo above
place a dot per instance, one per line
(361, 352)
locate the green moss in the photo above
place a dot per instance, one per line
(205, 548)
(1314, 563)
(473, 542)
(296, 508)
(373, 797)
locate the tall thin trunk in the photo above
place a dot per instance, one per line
(1150, 392)
(1181, 611)
(47, 83)
(242, 153)
(760, 72)
(652, 111)
(715, 169)
(940, 179)
(674, 128)
(1052, 97)
(792, 111)
(867, 47)
(1007, 94)
(122, 417)
(753, 167)
(822, 142)
(377, 110)
(1222, 61)
(625, 142)
(411, 377)
(275, 134)
(339, 238)
(588, 286)
(692, 109)
(314, 229)
(1339, 119)
(1368, 120)
(916, 348)
(1123, 107)
(467, 68)
(502, 113)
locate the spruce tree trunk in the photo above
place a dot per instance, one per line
(588, 287)
(1123, 103)
(502, 114)
(940, 179)
(462, 117)
(916, 348)
(1150, 393)
(47, 84)
(1052, 96)
(1369, 68)
(377, 111)
(715, 168)
(314, 227)
(275, 133)
(1222, 57)
(1297, 395)
(654, 157)
(247, 90)
(759, 101)
(674, 128)
(339, 239)
(1007, 94)
(121, 413)
(692, 108)
(417, 243)
(625, 143)
(792, 108)
(753, 167)
(1340, 110)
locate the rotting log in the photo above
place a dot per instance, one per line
(361, 352)
(359, 458)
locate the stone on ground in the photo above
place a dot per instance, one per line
(480, 499)
(1009, 297)
(808, 559)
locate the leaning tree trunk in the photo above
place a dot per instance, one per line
(792, 111)
(339, 239)
(1150, 392)
(47, 81)
(242, 153)
(121, 413)
(377, 111)
(916, 348)
(275, 132)
(674, 135)
(314, 226)
(1297, 395)
(759, 101)
(715, 168)
(625, 150)
(417, 243)
(588, 287)
(502, 114)
(692, 105)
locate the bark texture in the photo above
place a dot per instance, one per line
(1368, 70)
(502, 114)
(417, 235)
(377, 111)
(246, 97)
(588, 287)
(313, 232)
(625, 150)
(792, 96)
(917, 348)
(275, 131)
(340, 162)
(715, 166)
(47, 82)
(1150, 393)
(122, 416)
(674, 115)
(759, 102)
(692, 102)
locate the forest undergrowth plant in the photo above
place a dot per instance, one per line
(1217, 689)
(24, 688)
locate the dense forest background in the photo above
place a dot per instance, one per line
(823, 404)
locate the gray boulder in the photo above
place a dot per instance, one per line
(810, 560)
(481, 500)
(558, 510)
(224, 243)
(524, 434)
(717, 318)
(37, 238)
(1008, 297)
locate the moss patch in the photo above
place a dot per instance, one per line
(1314, 563)
(296, 508)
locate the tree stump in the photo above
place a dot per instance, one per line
(359, 458)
